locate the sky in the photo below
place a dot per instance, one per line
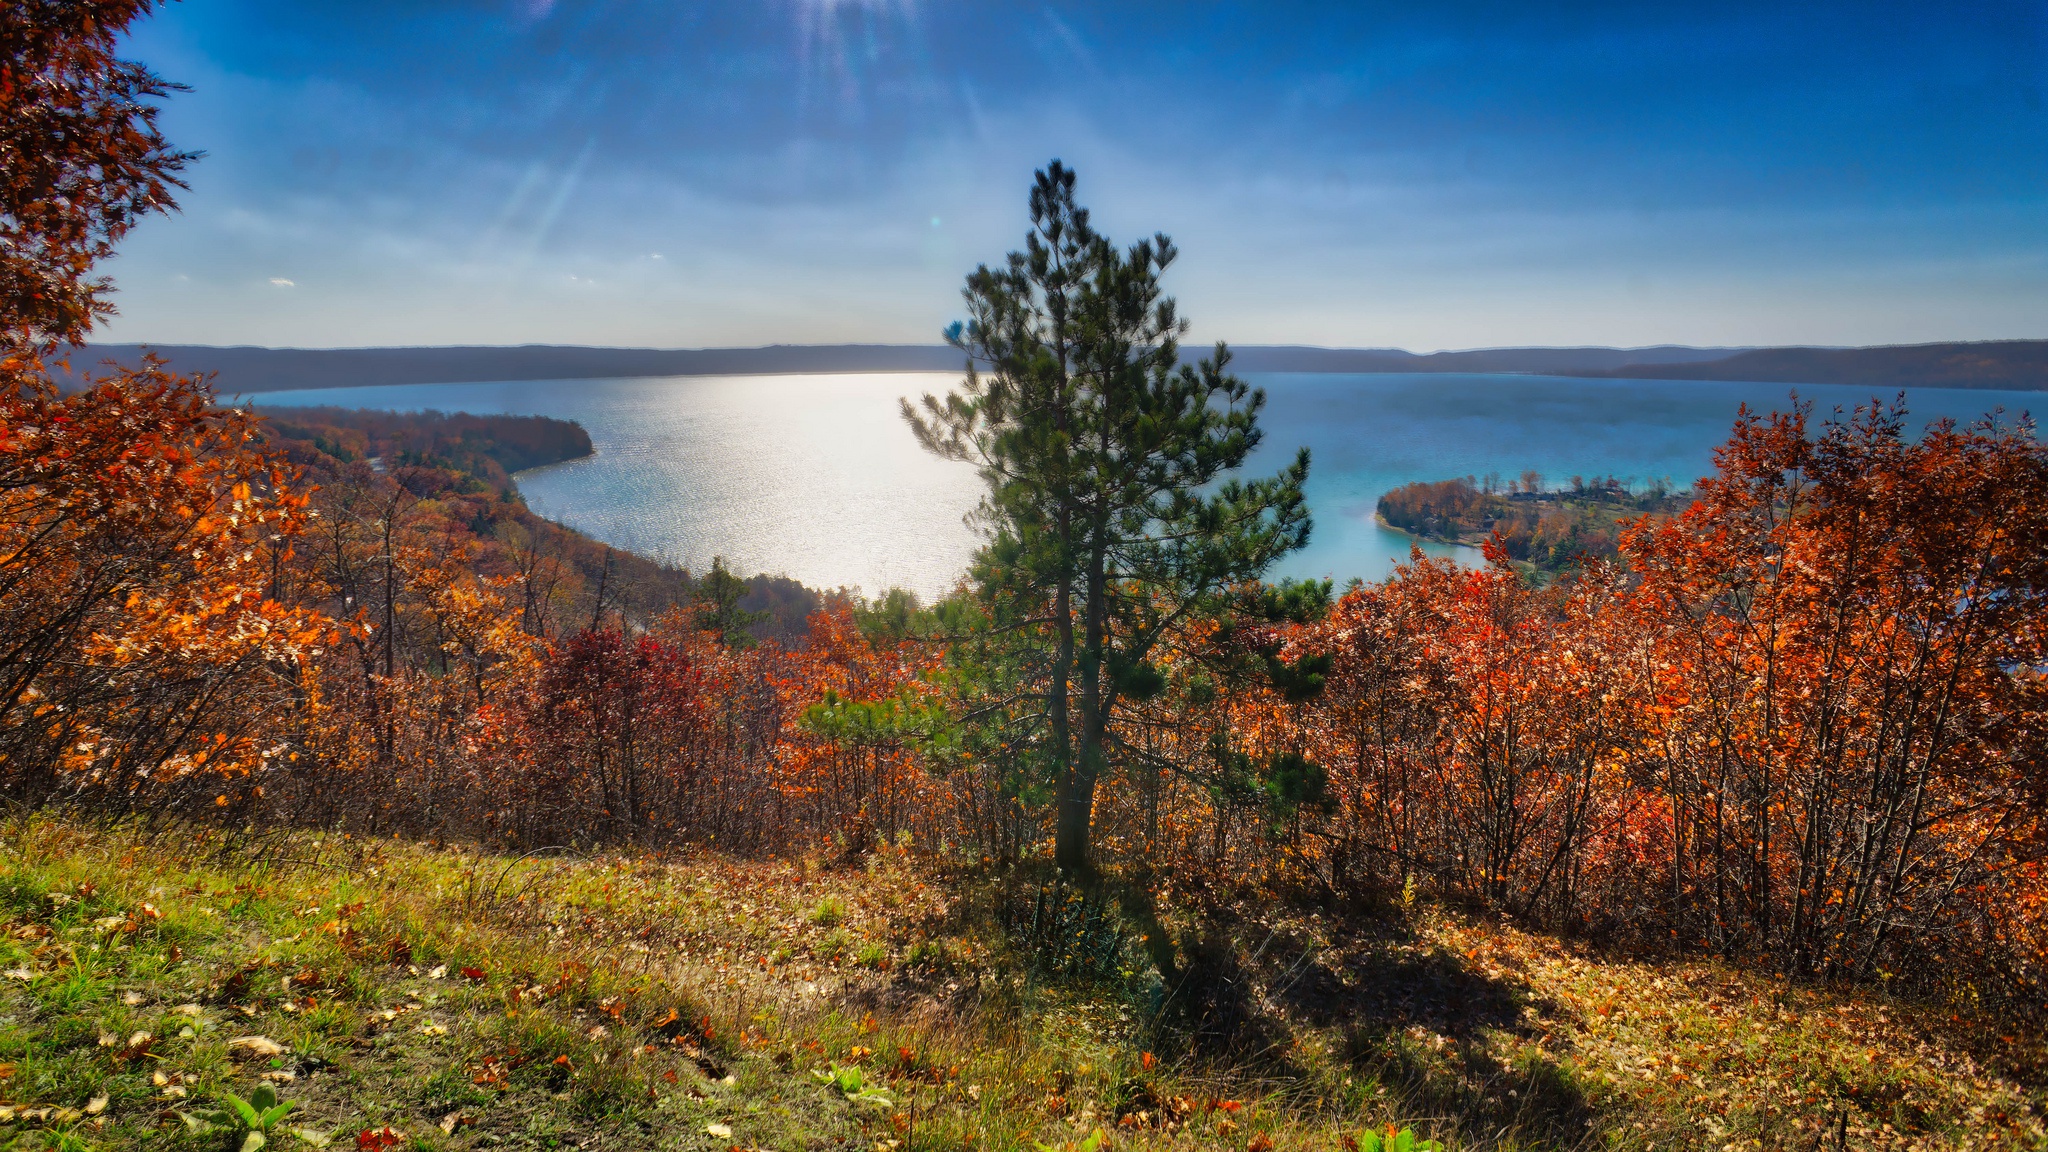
(656, 173)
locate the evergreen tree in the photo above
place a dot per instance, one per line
(1111, 514)
(718, 606)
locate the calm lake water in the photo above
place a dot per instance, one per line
(816, 477)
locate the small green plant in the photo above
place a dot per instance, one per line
(1404, 1140)
(830, 911)
(249, 1123)
(847, 1081)
(873, 954)
(833, 946)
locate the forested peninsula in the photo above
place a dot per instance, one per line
(1547, 531)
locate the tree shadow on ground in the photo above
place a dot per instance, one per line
(1411, 1020)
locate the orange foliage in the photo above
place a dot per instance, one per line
(856, 769)
(1804, 723)
(1849, 687)
(138, 535)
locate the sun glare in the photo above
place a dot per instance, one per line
(842, 42)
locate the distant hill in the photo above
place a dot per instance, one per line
(250, 369)
(2016, 364)
(1544, 361)
(2021, 365)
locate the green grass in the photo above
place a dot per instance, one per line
(465, 1000)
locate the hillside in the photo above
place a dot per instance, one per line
(246, 369)
(453, 471)
(250, 369)
(406, 995)
(2018, 365)
(2011, 364)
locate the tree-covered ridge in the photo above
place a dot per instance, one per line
(448, 474)
(1547, 529)
(2018, 365)
(489, 448)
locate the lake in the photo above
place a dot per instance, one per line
(816, 476)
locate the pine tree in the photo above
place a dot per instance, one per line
(1111, 514)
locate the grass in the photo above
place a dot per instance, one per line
(427, 997)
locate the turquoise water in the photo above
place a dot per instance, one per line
(817, 478)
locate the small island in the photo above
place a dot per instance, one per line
(1544, 530)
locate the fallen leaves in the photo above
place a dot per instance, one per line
(259, 1046)
(138, 1046)
(39, 1113)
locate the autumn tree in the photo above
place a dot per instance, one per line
(139, 649)
(1851, 684)
(138, 645)
(1112, 511)
(81, 161)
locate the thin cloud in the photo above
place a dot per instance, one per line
(1072, 41)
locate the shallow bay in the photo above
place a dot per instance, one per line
(816, 476)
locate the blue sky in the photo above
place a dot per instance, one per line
(653, 173)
